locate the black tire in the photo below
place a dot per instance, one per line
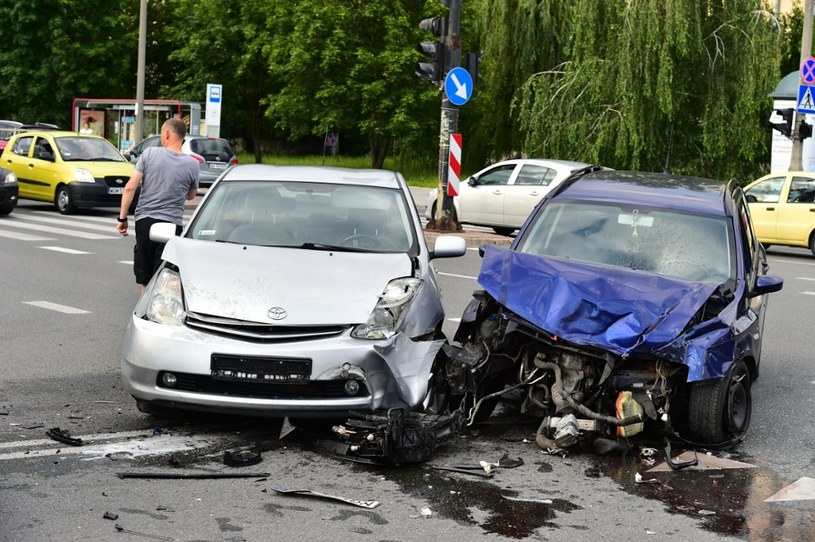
(811, 243)
(438, 400)
(63, 201)
(503, 231)
(6, 210)
(719, 412)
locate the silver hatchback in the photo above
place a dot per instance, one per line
(298, 291)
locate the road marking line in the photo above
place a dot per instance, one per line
(805, 278)
(126, 262)
(458, 276)
(24, 236)
(88, 438)
(808, 293)
(795, 262)
(66, 250)
(61, 231)
(72, 223)
(454, 319)
(56, 307)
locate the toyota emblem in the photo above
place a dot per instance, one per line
(277, 313)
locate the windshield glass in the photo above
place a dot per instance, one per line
(690, 247)
(308, 215)
(89, 149)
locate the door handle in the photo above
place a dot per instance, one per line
(771, 208)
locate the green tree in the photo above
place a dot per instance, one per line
(61, 50)
(348, 68)
(659, 85)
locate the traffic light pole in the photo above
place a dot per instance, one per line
(796, 159)
(444, 217)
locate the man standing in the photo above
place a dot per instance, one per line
(167, 177)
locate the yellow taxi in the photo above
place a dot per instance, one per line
(72, 170)
(782, 206)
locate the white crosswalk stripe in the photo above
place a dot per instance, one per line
(38, 226)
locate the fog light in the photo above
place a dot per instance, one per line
(351, 387)
(169, 380)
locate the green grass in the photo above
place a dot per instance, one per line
(415, 174)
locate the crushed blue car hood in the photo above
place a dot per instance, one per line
(626, 312)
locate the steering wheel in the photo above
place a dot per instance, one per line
(361, 240)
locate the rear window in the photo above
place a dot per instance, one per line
(212, 149)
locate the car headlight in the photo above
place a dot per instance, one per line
(390, 310)
(166, 305)
(84, 176)
(10, 178)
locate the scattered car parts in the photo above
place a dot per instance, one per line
(309, 493)
(63, 436)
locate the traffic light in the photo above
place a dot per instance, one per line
(786, 126)
(471, 62)
(804, 131)
(435, 51)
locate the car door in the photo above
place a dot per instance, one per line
(482, 199)
(17, 160)
(526, 189)
(45, 170)
(796, 216)
(764, 200)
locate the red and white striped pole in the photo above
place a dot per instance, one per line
(454, 165)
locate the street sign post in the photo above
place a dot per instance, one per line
(458, 85)
(806, 99)
(454, 167)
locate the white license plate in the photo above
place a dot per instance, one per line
(115, 190)
(217, 165)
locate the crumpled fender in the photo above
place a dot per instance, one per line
(623, 311)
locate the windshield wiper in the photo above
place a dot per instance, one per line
(339, 248)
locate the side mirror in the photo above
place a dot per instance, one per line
(751, 198)
(45, 155)
(472, 181)
(767, 284)
(447, 246)
(161, 232)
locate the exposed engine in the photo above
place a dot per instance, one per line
(583, 396)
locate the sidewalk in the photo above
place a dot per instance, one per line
(474, 238)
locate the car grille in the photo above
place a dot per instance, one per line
(320, 389)
(116, 180)
(259, 332)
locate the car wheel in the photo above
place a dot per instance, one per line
(719, 411)
(6, 210)
(811, 243)
(437, 400)
(63, 201)
(503, 231)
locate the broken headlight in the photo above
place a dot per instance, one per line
(166, 305)
(390, 310)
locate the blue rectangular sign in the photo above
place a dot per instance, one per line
(806, 99)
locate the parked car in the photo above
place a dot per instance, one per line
(628, 302)
(502, 195)
(7, 129)
(8, 191)
(213, 155)
(74, 171)
(299, 291)
(782, 206)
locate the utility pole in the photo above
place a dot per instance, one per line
(796, 159)
(139, 128)
(449, 121)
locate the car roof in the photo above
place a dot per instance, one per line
(56, 133)
(696, 195)
(542, 161)
(338, 175)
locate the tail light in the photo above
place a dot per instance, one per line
(233, 161)
(197, 158)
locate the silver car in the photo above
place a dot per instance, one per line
(299, 291)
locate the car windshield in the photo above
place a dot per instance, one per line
(311, 216)
(685, 246)
(211, 149)
(87, 149)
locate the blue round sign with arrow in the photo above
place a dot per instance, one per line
(458, 85)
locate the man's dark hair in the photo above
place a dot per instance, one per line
(177, 127)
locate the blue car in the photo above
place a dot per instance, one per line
(629, 302)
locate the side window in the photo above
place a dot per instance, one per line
(802, 190)
(497, 176)
(767, 191)
(22, 145)
(43, 150)
(534, 175)
(748, 239)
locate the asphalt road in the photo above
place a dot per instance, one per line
(68, 291)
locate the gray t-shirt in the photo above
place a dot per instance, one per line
(168, 177)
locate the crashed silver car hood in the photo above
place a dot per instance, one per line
(313, 287)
